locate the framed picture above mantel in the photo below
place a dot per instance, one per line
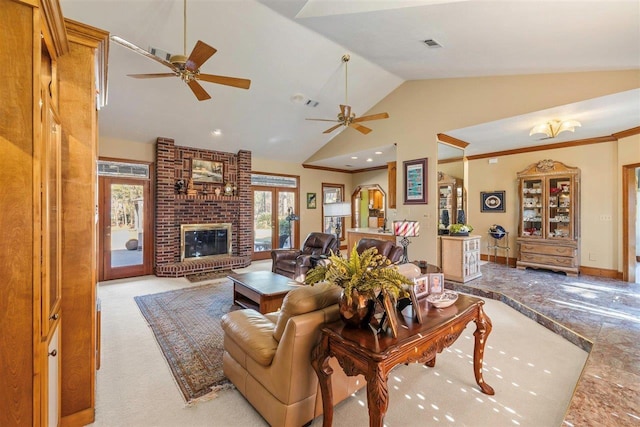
(415, 181)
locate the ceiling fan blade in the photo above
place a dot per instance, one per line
(324, 120)
(198, 90)
(363, 129)
(141, 51)
(331, 129)
(371, 117)
(151, 76)
(223, 80)
(200, 53)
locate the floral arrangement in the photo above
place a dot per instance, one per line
(460, 228)
(368, 273)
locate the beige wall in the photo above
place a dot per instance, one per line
(130, 150)
(419, 110)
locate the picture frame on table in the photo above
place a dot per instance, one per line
(492, 201)
(206, 170)
(436, 283)
(390, 318)
(311, 200)
(415, 181)
(418, 291)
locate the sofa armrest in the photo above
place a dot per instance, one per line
(253, 333)
(284, 254)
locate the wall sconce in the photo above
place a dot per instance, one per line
(337, 210)
(406, 229)
(552, 128)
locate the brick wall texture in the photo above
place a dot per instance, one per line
(173, 209)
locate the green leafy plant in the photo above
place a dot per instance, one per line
(368, 273)
(460, 228)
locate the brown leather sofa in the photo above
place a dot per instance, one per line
(388, 249)
(268, 357)
(295, 263)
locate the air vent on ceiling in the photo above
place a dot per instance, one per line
(311, 103)
(432, 44)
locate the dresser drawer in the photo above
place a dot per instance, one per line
(543, 249)
(569, 262)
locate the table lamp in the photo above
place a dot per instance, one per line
(338, 210)
(406, 229)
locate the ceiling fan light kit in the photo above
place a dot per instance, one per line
(552, 128)
(346, 117)
(186, 67)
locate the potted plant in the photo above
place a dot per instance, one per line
(460, 229)
(362, 278)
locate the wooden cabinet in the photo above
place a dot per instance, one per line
(461, 258)
(450, 199)
(549, 220)
(49, 134)
(391, 175)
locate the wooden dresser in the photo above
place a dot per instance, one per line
(461, 258)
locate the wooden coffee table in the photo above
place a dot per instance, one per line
(261, 290)
(360, 351)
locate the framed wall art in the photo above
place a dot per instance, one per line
(492, 201)
(206, 170)
(311, 200)
(415, 182)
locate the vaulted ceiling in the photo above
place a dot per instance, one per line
(292, 49)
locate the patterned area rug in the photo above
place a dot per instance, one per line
(186, 324)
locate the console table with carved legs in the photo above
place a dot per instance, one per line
(361, 351)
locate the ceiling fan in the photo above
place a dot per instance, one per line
(187, 68)
(345, 116)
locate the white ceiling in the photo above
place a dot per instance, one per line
(294, 47)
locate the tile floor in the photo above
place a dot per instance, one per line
(597, 314)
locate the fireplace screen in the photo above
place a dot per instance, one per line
(200, 241)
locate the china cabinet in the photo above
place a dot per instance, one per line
(549, 225)
(449, 197)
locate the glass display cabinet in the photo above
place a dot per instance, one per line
(450, 198)
(549, 225)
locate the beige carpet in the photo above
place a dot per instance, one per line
(532, 370)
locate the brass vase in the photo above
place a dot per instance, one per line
(357, 312)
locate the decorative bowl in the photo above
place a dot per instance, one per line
(442, 300)
(497, 231)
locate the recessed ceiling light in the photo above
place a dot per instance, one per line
(369, 159)
(298, 98)
(216, 132)
(378, 152)
(354, 157)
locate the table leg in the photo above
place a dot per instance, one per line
(483, 329)
(320, 363)
(377, 396)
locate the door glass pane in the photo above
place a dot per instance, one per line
(286, 219)
(262, 224)
(127, 208)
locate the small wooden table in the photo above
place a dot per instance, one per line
(261, 290)
(360, 351)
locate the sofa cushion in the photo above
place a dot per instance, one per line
(253, 333)
(304, 300)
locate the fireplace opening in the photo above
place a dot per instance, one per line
(202, 241)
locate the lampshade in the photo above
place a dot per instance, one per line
(406, 228)
(337, 209)
(554, 127)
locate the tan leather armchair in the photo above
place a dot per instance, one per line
(268, 357)
(295, 263)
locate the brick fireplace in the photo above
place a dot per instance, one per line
(173, 163)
